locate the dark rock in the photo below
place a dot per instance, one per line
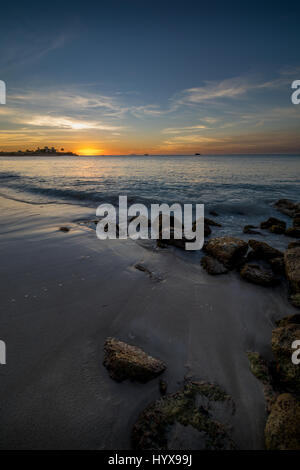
(296, 222)
(264, 251)
(64, 229)
(211, 222)
(141, 267)
(124, 361)
(295, 300)
(227, 250)
(190, 408)
(294, 244)
(255, 274)
(279, 229)
(163, 386)
(293, 232)
(285, 206)
(277, 265)
(213, 266)
(260, 369)
(273, 222)
(290, 319)
(292, 268)
(287, 372)
(282, 431)
(207, 230)
(249, 229)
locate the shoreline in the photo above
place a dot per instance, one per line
(65, 293)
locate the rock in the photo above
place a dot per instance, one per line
(260, 369)
(295, 300)
(285, 206)
(191, 408)
(124, 361)
(144, 269)
(279, 229)
(290, 319)
(214, 213)
(255, 274)
(293, 232)
(273, 222)
(163, 386)
(296, 222)
(213, 266)
(211, 222)
(178, 243)
(207, 230)
(264, 251)
(64, 229)
(282, 431)
(227, 250)
(249, 229)
(277, 265)
(292, 268)
(294, 244)
(282, 339)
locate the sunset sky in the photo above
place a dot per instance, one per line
(160, 77)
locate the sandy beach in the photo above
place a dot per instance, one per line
(63, 294)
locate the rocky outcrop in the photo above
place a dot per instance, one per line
(189, 410)
(292, 268)
(124, 361)
(262, 250)
(282, 431)
(290, 208)
(213, 266)
(257, 275)
(260, 369)
(274, 225)
(228, 250)
(282, 339)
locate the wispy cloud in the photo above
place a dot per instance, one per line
(62, 122)
(179, 130)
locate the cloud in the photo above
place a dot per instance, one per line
(232, 88)
(61, 122)
(178, 130)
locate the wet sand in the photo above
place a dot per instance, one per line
(62, 294)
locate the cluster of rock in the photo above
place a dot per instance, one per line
(262, 264)
(188, 413)
(257, 261)
(281, 381)
(180, 243)
(189, 408)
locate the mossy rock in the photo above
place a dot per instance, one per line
(189, 407)
(282, 431)
(257, 275)
(282, 339)
(124, 361)
(261, 370)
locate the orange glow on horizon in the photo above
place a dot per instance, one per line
(89, 151)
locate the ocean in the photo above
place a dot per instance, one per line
(240, 188)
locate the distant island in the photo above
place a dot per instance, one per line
(47, 151)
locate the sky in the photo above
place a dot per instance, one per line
(159, 77)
